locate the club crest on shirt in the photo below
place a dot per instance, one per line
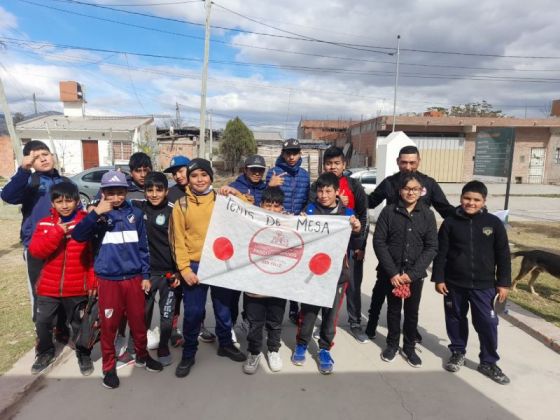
(108, 313)
(160, 219)
(488, 230)
(131, 218)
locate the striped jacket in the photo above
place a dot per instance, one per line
(123, 251)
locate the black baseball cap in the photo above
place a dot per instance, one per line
(291, 144)
(255, 161)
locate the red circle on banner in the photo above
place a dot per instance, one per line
(275, 250)
(223, 248)
(320, 264)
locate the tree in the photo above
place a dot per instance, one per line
(237, 141)
(476, 109)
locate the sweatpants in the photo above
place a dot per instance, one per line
(380, 291)
(194, 301)
(117, 298)
(267, 312)
(235, 296)
(308, 316)
(484, 320)
(354, 290)
(166, 303)
(410, 323)
(47, 309)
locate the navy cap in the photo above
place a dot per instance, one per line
(291, 144)
(177, 162)
(255, 161)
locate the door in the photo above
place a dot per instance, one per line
(90, 153)
(536, 165)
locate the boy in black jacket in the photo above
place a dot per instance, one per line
(472, 268)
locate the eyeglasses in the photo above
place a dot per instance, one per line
(412, 190)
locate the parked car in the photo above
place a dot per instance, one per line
(89, 181)
(366, 176)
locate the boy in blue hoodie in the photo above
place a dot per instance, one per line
(122, 267)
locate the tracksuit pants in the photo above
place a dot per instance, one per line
(194, 301)
(484, 320)
(264, 312)
(166, 303)
(117, 298)
(354, 290)
(410, 324)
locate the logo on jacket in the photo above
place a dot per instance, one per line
(160, 219)
(131, 218)
(488, 230)
(108, 313)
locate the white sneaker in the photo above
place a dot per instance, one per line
(252, 363)
(316, 333)
(153, 338)
(274, 361)
(120, 344)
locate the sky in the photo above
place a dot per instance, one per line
(273, 63)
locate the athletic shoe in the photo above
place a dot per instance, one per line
(165, 360)
(42, 362)
(412, 358)
(153, 338)
(251, 365)
(232, 353)
(298, 358)
(85, 364)
(150, 364)
(371, 330)
(494, 373)
(184, 367)
(111, 380)
(274, 361)
(326, 362)
(356, 331)
(293, 316)
(455, 362)
(120, 344)
(125, 359)
(316, 333)
(206, 336)
(389, 354)
(176, 338)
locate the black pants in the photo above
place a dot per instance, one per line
(394, 307)
(308, 316)
(267, 312)
(380, 291)
(354, 291)
(47, 309)
(166, 303)
(236, 295)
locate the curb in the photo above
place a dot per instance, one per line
(543, 331)
(17, 383)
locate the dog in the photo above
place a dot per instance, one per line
(536, 262)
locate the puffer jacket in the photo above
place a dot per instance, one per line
(68, 266)
(244, 186)
(295, 186)
(405, 243)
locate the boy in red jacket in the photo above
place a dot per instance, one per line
(66, 278)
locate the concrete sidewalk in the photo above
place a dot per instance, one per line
(362, 386)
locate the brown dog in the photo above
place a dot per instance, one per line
(536, 262)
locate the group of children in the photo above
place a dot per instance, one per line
(128, 248)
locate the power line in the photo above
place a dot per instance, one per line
(170, 3)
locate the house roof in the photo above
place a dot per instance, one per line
(267, 135)
(89, 123)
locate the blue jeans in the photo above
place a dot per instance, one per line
(194, 301)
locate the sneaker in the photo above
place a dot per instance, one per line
(293, 316)
(389, 354)
(206, 336)
(326, 362)
(184, 367)
(85, 364)
(125, 359)
(251, 365)
(111, 380)
(232, 352)
(120, 344)
(494, 373)
(371, 330)
(455, 362)
(42, 362)
(176, 338)
(274, 361)
(165, 360)
(153, 338)
(298, 358)
(317, 333)
(150, 364)
(356, 331)
(412, 358)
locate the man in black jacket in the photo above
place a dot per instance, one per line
(432, 195)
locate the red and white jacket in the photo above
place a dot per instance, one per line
(68, 264)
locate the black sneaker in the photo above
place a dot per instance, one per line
(150, 364)
(206, 336)
(184, 367)
(85, 364)
(42, 362)
(111, 380)
(493, 372)
(232, 352)
(356, 331)
(389, 354)
(371, 330)
(293, 316)
(455, 362)
(412, 358)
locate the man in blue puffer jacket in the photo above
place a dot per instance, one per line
(294, 182)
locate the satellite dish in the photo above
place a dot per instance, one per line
(347, 150)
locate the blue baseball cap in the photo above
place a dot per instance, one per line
(177, 162)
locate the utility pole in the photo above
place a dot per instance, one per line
(202, 141)
(396, 81)
(34, 103)
(211, 137)
(16, 142)
(177, 115)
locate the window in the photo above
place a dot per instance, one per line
(122, 150)
(368, 178)
(94, 176)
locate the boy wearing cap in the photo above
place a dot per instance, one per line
(189, 225)
(178, 170)
(294, 181)
(122, 267)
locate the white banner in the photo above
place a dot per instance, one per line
(292, 257)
